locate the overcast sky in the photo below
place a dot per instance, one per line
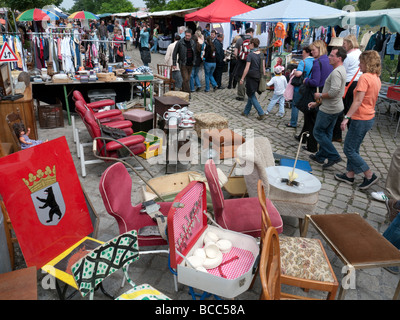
(69, 3)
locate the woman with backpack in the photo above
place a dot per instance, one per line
(254, 63)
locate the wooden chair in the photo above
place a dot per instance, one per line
(11, 118)
(270, 269)
(6, 148)
(304, 262)
(164, 73)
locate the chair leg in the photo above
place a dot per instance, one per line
(82, 154)
(304, 229)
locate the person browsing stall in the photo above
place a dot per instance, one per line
(330, 108)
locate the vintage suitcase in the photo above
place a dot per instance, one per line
(229, 271)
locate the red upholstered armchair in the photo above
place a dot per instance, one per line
(107, 149)
(116, 189)
(103, 116)
(241, 214)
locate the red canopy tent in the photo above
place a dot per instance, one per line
(219, 11)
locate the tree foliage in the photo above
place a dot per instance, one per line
(23, 5)
(364, 5)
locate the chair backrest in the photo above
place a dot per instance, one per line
(116, 189)
(257, 152)
(77, 96)
(11, 118)
(217, 196)
(164, 71)
(265, 219)
(81, 108)
(103, 261)
(270, 266)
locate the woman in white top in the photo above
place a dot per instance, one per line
(351, 64)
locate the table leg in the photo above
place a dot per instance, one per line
(67, 104)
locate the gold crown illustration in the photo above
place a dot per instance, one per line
(41, 179)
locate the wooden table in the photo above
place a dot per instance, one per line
(73, 84)
(19, 284)
(356, 243)
(162, 104)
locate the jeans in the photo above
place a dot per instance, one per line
(323, 131)
(176, 75)
(209, 68)
(154, 47)
(274, 100)
(194, 78)
(355, 136)
(295, 112)
(392, 233)
(253, 101)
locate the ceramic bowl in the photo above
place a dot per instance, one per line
(195, 261)
(211, 250)
(213, 263)
(210, 237)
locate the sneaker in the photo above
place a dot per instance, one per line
(330, 163)
(215, 88)
(313, 157)
(368, 182)
(344, 178)
(262, 117)
(198, 89)
(379, 195)
(244, 115)
(280, 115)
(239, 99)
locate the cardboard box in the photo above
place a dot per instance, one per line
(153, 145)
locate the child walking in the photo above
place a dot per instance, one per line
(279, 81)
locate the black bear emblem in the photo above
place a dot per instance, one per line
(51, 203)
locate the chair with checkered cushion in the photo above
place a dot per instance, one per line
(118, 253)
(304, 262)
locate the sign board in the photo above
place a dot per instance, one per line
(7, 55)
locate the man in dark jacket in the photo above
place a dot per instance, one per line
(219, 57)
(185, 48)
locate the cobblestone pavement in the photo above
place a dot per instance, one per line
(335, 197)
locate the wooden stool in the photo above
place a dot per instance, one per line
(355, 242)
(19, 284)
(224, 141)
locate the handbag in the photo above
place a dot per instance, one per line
(298, 81)
(306, 96)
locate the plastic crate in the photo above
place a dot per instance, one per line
(103, 94)
(394, 93)
(51, 115)
(144, 77)
(153, 145)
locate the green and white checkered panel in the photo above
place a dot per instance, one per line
(105, 260)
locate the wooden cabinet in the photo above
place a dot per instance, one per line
(26, 110)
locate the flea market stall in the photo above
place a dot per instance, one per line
(294, 14)
(219, 14)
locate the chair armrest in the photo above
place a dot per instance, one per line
(100, 104)
(120, 124)
(108, 114)
(128, 141)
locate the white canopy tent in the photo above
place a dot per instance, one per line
(287, 11)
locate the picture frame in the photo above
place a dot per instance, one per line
(5, 79)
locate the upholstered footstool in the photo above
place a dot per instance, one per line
(209, 121)
(356, 243)
(142, 120)
(224, 141)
